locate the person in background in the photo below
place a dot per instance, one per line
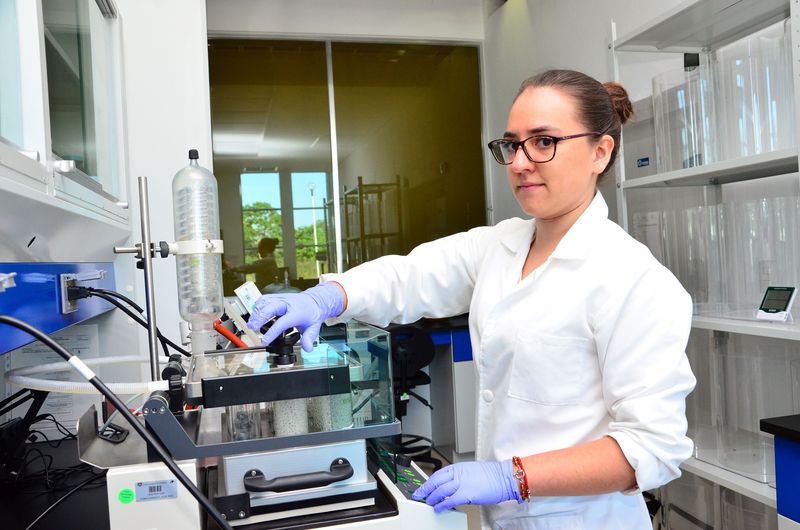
(265, 268)
(578, 333)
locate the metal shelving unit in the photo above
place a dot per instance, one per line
(763, 493)
(700, 26)
(367, 211)
(776, 330)
(723, 172)
(697, 25)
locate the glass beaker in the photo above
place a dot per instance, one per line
(699, 412)
(687, 500)
(756, 103)
(244, 421)
(743, 513)
(684, 118)
(756, 380)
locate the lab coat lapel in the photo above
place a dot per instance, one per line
(516, 244)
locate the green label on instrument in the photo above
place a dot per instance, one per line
(126, 496)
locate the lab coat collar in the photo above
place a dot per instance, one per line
(575, 243)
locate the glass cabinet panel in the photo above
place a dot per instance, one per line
(10, 86)
(79, 52)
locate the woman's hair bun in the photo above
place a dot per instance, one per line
(619, 100)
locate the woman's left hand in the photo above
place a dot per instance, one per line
(470, 483)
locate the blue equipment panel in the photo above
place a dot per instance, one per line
(787, 465)
(36, 299)
(458, 338)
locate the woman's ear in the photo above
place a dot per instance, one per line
(602, 153)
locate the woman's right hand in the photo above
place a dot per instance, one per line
(305, 311)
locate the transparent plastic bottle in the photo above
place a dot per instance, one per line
(196, 213)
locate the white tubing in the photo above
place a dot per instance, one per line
(21, 377)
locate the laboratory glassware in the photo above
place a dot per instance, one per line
(688, 503)
(196, 217)
(244, 421)
(699, 412)
(754, 82)
(757, 379)
(684, 118)
(740, 512)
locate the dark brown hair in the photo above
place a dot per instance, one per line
(601, 107)
(267, 245)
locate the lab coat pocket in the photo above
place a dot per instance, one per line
(549, 369)
(555, 522)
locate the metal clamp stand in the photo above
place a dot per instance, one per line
(146, 261)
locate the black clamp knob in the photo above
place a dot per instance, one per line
(283, 345)
(402, 460)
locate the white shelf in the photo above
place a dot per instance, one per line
(694, 25)
(735, 170)
(758, 491)
(777, 330)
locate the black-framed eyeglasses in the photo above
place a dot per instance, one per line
(539, 148)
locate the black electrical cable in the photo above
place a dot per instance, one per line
(131, 303)
(55, 479)
(63, 498)
(59, 426)
(134, 316)
(139, 319)
(120, 406)
(83, 292)
(121, 296)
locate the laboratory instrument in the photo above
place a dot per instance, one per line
(273, 436)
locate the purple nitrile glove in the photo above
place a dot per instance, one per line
(305, 311)
(470, 483)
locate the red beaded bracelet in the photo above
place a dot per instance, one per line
(522, 478)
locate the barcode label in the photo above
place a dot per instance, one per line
(156, 490)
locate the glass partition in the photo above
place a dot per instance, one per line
(408, 117)
(408, 136)
(269, 116)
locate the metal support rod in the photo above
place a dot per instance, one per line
(147, 259)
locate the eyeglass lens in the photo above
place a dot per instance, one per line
(538, 149)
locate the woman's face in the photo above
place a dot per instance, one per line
(567, 183)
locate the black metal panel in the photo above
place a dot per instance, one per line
(179, 435)
(275, 386)
(784, 426)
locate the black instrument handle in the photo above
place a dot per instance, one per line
(340, 469)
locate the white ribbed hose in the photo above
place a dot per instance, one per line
(22, 377)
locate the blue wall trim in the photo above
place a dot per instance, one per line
(36, 299)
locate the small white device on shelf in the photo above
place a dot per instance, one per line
(776, 305)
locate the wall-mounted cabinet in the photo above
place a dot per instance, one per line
(61, 112)
(708, 180)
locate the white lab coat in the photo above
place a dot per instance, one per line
(591, 343)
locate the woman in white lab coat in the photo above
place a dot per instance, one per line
(578, 333)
